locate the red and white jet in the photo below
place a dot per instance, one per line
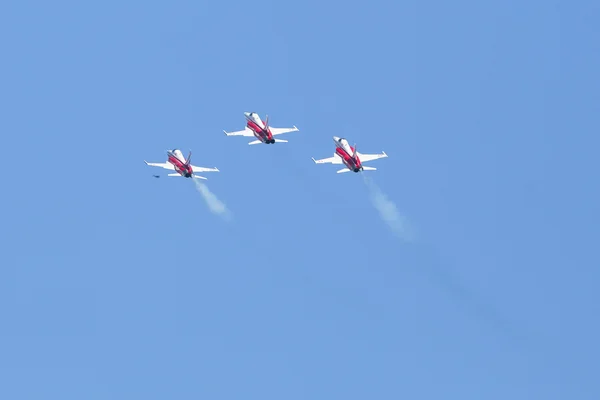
(176, 162)
(261, 130)
(350, 157)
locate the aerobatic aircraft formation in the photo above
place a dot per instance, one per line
(259, 129)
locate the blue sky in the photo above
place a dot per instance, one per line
(118, 285)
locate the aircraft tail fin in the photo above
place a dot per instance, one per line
(355, 152)
(189, 158)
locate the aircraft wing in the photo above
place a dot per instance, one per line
(245, 132)
(331, 160)
(371, 157)
(165, 165)
(204, 169)
(279, 131)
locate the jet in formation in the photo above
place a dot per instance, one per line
(255, 127)
(182, 166)
(350, 157)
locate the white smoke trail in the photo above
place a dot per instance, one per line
(437, 269)
(387, 210)
(215, 205)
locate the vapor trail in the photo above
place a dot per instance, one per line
(215, 205)
(387, 210)
(437, 269)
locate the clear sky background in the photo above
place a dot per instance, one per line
(117, 285)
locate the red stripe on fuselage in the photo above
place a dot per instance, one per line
(180, 166)
(260, 131)
(347, 159)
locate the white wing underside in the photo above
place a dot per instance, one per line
(371, 157)
(161, 165)
(246, 132)
(204, 169)
(331, 160)
(279, 131)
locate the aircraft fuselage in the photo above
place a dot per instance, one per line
(346, 152)
(176, 158)
(259, 128)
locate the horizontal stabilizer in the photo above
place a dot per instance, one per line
(280, 141)
(255, 142)
(174, 175)
(341, 171)
(199, 177)
(369, 168)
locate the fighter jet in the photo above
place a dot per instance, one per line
(350, 157)
(182, 166)
(261, 130)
